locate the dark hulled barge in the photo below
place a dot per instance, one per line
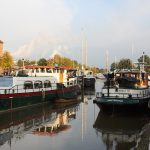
(124, 89)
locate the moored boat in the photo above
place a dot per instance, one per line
(16, 92)
(27, 88)
(67, 82)
(125, 89)
(89, 79)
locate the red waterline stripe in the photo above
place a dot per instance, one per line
(36, 93)
(25, 94)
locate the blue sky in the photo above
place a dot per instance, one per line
(41, 28)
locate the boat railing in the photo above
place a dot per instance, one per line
(21, 89)
(122, 95)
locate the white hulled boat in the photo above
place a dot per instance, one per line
(37, 84)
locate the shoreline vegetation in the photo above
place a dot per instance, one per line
(7, 64)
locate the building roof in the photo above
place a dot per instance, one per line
(1, 41)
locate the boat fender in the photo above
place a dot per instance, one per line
(102, 95)
(130, 96)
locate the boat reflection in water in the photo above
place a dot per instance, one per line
(40, 119)
(87, 94)
(123, 132)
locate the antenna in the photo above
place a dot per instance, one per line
(143, 60)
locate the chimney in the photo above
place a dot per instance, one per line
(1, 48)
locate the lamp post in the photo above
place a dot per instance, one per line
(23, 64)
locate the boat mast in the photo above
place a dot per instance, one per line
(132, 55)
(82, 49)
(107, 70)
(143, 61)
(86, 48)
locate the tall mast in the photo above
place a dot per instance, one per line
(107, 62)
(82, 49)
(132, 54)
(86, 47)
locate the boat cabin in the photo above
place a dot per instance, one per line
(128, 79)
(62, 74)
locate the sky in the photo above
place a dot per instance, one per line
(33, 29)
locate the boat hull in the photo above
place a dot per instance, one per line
(68, 92)
(111, 104)
(18, 100)
(9, 102)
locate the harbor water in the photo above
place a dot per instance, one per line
(73, 126)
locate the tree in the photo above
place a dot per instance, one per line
(113, 66)
(6, 61)
(42, 62)
(26, 62)
(146, 59)
(57, 59)
(147, 62)
(125, 63)
(50, 62)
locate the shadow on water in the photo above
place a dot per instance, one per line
(123, 131)
(41, 119)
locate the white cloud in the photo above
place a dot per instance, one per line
(45, 24)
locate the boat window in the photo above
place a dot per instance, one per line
(75, 82)
(62, 71)
(48, 70)
(133, 75)
(28, 85)
(57, 70)
(38, 84)
(6, 81)
(37, 70)
(42, 70)
(71, 83)
(47, 84)
(54, 70)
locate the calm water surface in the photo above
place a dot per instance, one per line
(73, 126)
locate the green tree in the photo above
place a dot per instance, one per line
(125, 63)
(42, 62)
(6, 61)
(146, 61)
(50, 62)
(26, 62)
(113, 66)
(57, 59)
